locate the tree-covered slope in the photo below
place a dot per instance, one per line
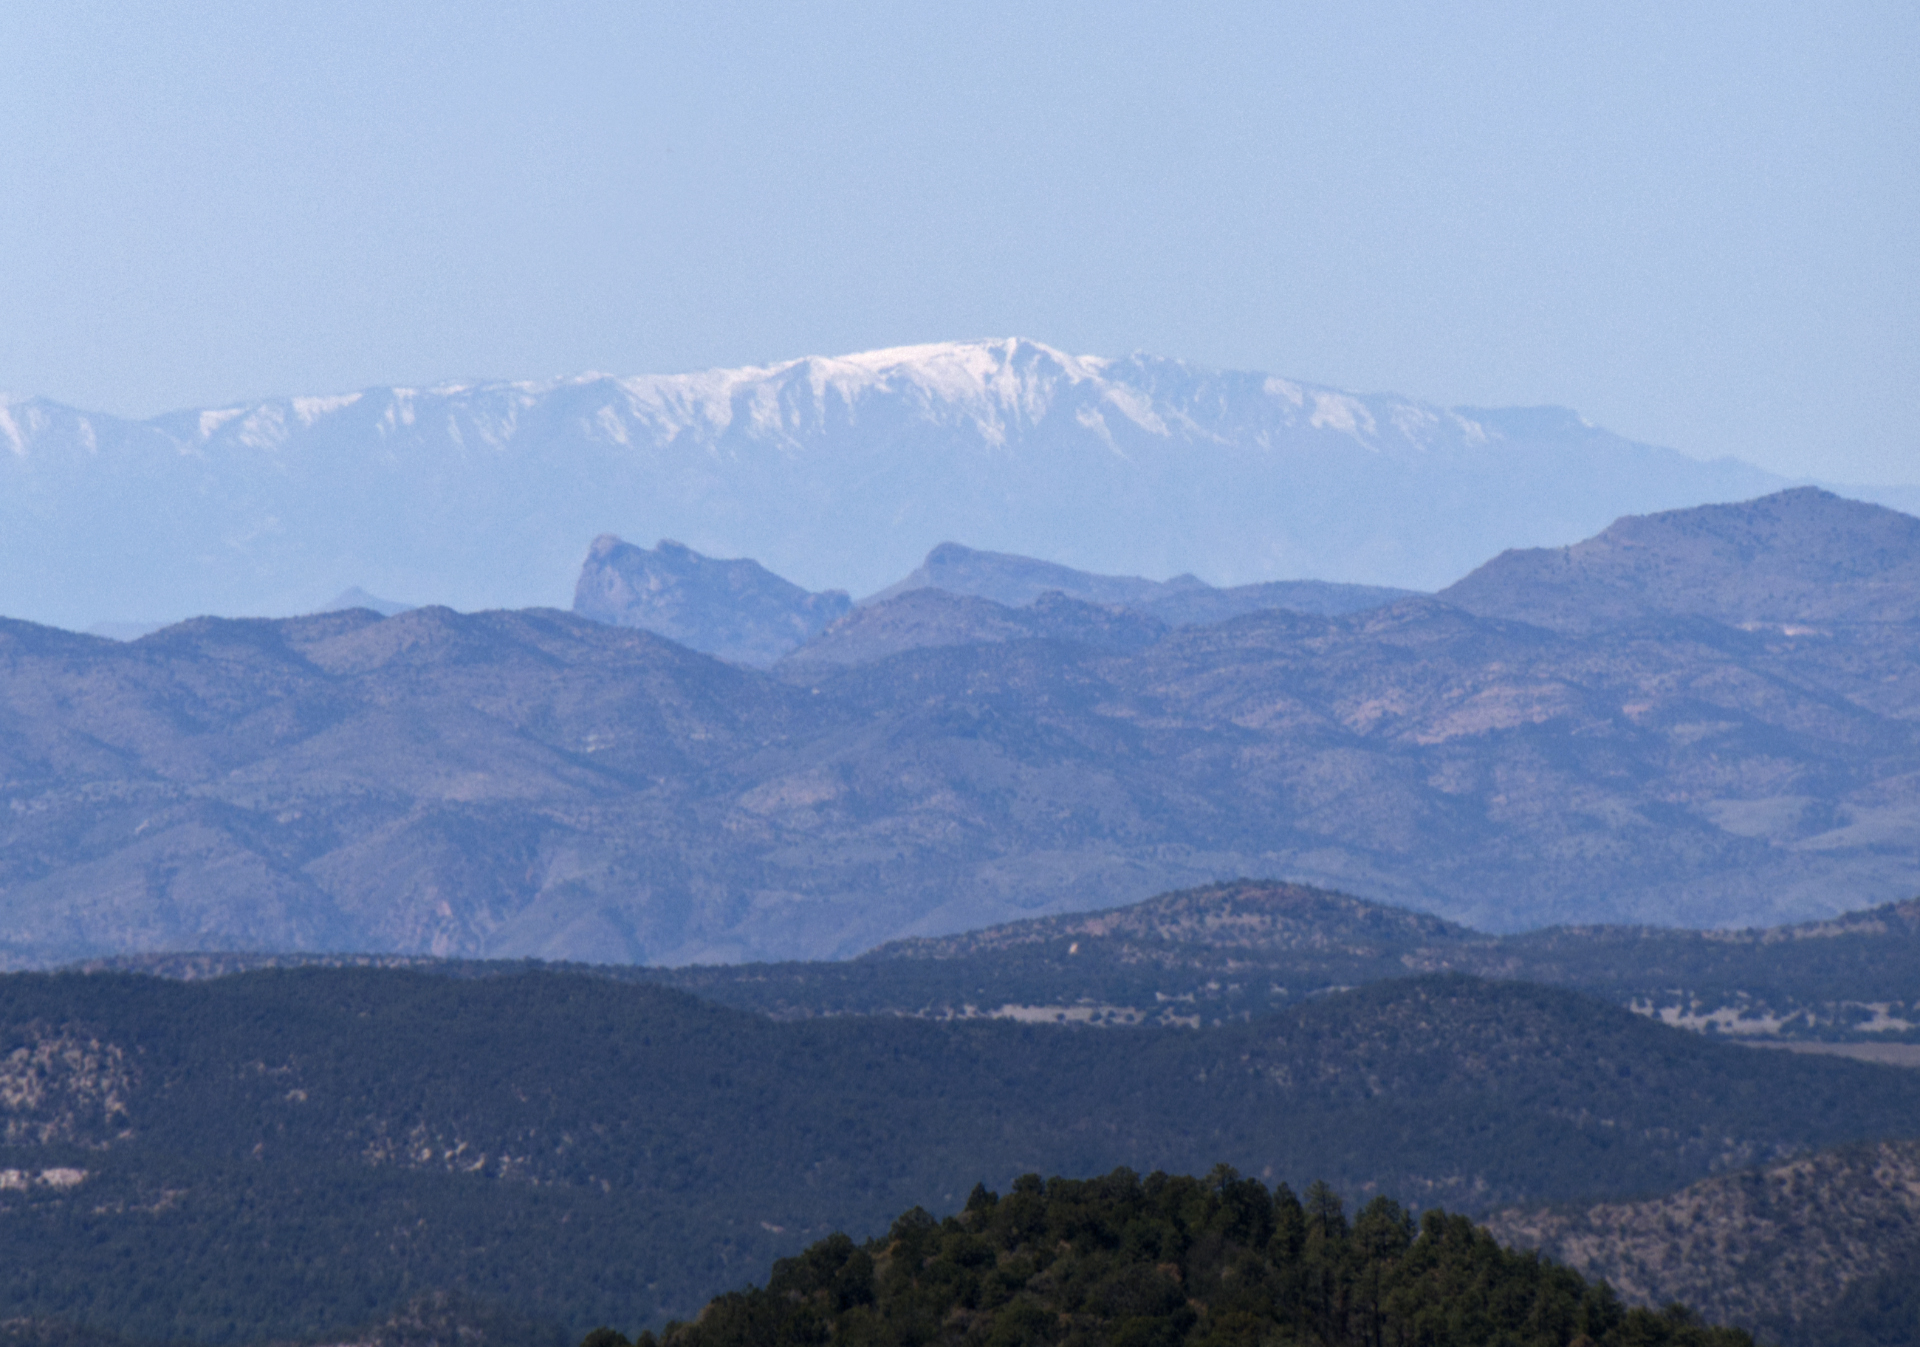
(1233, 950)
(1815, 1250)
(1169, 1261)
(289, 1152)
(1228, 951)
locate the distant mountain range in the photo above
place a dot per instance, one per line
(1800, 559)
(831, 472)
(743, 612)
(536, 783)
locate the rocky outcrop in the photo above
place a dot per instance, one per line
(738, 610)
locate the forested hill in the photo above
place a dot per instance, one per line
(1228, 951)
(1817, 1251)
(1173, 1261)
(290, 1153)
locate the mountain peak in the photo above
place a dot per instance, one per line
(833, 470)
(736, 609)
(1802, 555)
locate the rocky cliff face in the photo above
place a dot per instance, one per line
(738, 610)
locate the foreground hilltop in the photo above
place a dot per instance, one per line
(1178, 1260)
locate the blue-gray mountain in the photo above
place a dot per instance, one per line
(835, 473)
(1184, 601)
(536, 783)
(741, 611)
(737, 609)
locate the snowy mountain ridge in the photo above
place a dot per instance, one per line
(998, 389)
(837, 472)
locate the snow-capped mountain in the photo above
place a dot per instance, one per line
(837, 473)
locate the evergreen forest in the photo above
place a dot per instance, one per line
(1119, 1261)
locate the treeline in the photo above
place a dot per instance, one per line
(1168, 1261)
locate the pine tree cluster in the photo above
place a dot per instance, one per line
(1119, 1261)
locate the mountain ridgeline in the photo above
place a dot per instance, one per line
(1796, 558)
(831, 471)
(743, 612)
(511, 784)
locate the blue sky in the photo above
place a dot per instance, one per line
(1695, 223)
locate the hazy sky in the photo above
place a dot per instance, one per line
(1698, 224)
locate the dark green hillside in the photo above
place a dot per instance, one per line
(291, 1152)
(1881, 1312)
(1231, 951)
(1167, 1261)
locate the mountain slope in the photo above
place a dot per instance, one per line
(532, 783)
(1798, 557)
(932, 619)
(1779, 1248)
(1180, 602)
(835, 473)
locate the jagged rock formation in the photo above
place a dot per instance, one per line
(738, 610)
